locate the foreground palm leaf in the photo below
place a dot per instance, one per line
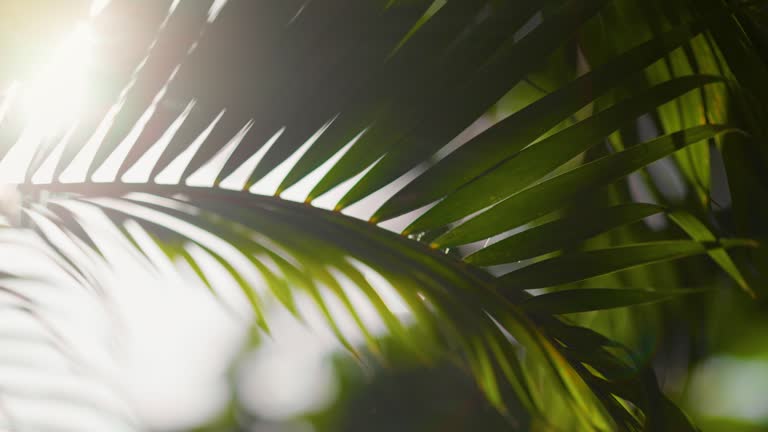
(319, 105)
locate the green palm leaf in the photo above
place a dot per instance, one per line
(320, 105)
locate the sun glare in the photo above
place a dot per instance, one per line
(55, 97)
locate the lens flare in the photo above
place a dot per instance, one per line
(55, 97)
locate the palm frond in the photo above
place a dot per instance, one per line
(349, 97)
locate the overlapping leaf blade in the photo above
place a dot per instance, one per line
(549, 195)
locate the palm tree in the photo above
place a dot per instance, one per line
(504, 154)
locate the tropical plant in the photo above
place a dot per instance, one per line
(511, 145)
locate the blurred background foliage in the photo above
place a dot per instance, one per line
(580, 186)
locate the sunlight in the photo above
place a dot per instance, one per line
(97, 6)
(55, 97)
(51, 101)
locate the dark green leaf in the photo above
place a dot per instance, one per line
(699, 232)
(520, 129)
(561, 233)
(576, 266)
(540, 199)
(540, 159)
(592, 299)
